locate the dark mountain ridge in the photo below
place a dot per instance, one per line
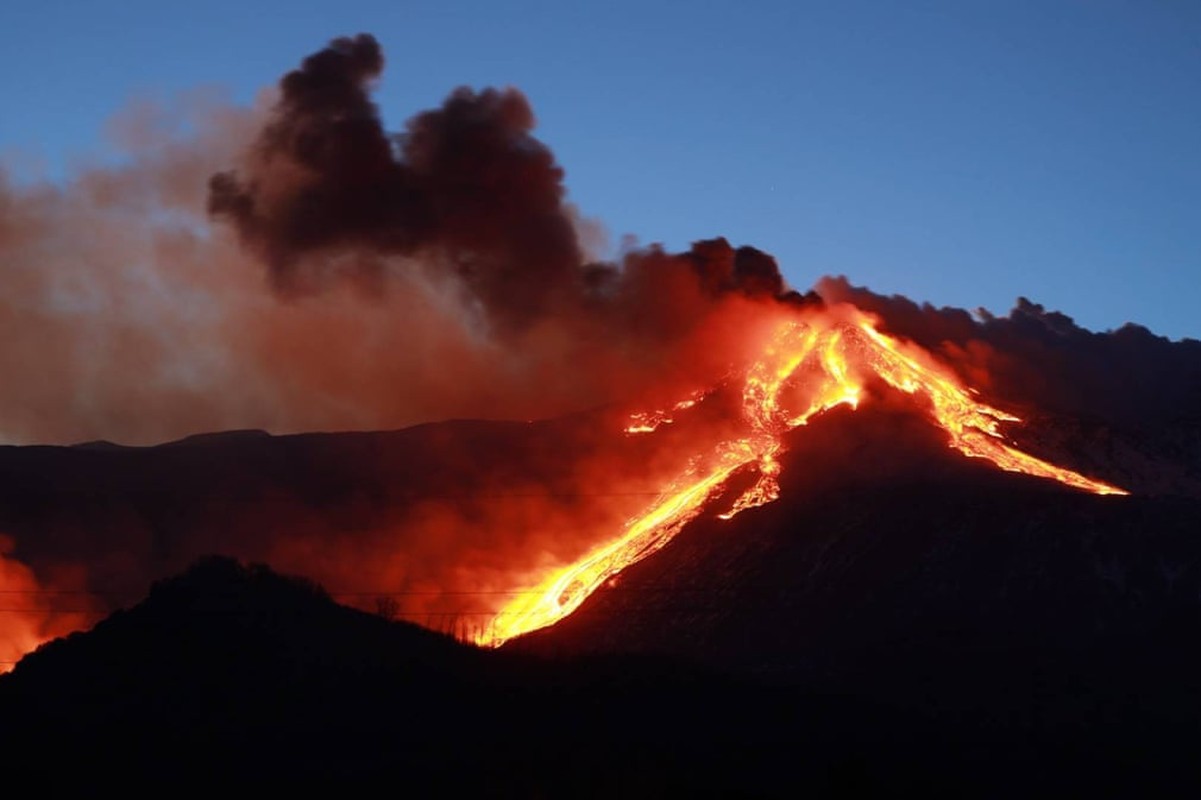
(124, 516)
(232, 673)
(901, 617)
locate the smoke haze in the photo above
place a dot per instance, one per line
(384, 280)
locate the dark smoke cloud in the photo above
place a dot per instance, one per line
(466, 188)
(466, 183)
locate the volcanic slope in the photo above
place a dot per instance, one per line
(902, 613)
(1002, 607)
(884, 537)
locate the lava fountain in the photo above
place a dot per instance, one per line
(809, 364)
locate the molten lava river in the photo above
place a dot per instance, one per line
(807, 365)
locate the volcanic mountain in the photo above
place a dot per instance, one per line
(497, 529)
(905, 600)
(902, 616)
(688, 523)
(502, 528)
(893, 566)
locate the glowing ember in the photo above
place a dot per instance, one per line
(808, 366)
(645, 422)
(27, 618)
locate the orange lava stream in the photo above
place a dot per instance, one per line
(814, 364)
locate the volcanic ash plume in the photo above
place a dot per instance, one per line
(466, 188)
(431, 274)
(466, 206)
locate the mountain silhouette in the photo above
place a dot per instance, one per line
(233, 672)
(902, 617)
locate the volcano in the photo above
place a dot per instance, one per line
(852, 582)
(498, 529)
(501, 528)
(837, 540)
(901, 615)
(673, 525)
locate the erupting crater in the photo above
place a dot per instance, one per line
(809, 363)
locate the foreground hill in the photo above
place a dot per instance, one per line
(231, 672)
(902, 617)
(234, 673)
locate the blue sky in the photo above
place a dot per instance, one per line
(958, 152)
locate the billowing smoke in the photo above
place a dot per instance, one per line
(466, 186)
(465, 189)
(432, 274)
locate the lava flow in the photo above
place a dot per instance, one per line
(808, 366)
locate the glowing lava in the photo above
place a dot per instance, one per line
(27, 617)
(808, 366)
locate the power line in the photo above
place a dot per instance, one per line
(399, 612)
(6, 594)
(299, 500)
(54, 611)
(367, 592)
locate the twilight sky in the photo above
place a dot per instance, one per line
(958, 152)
